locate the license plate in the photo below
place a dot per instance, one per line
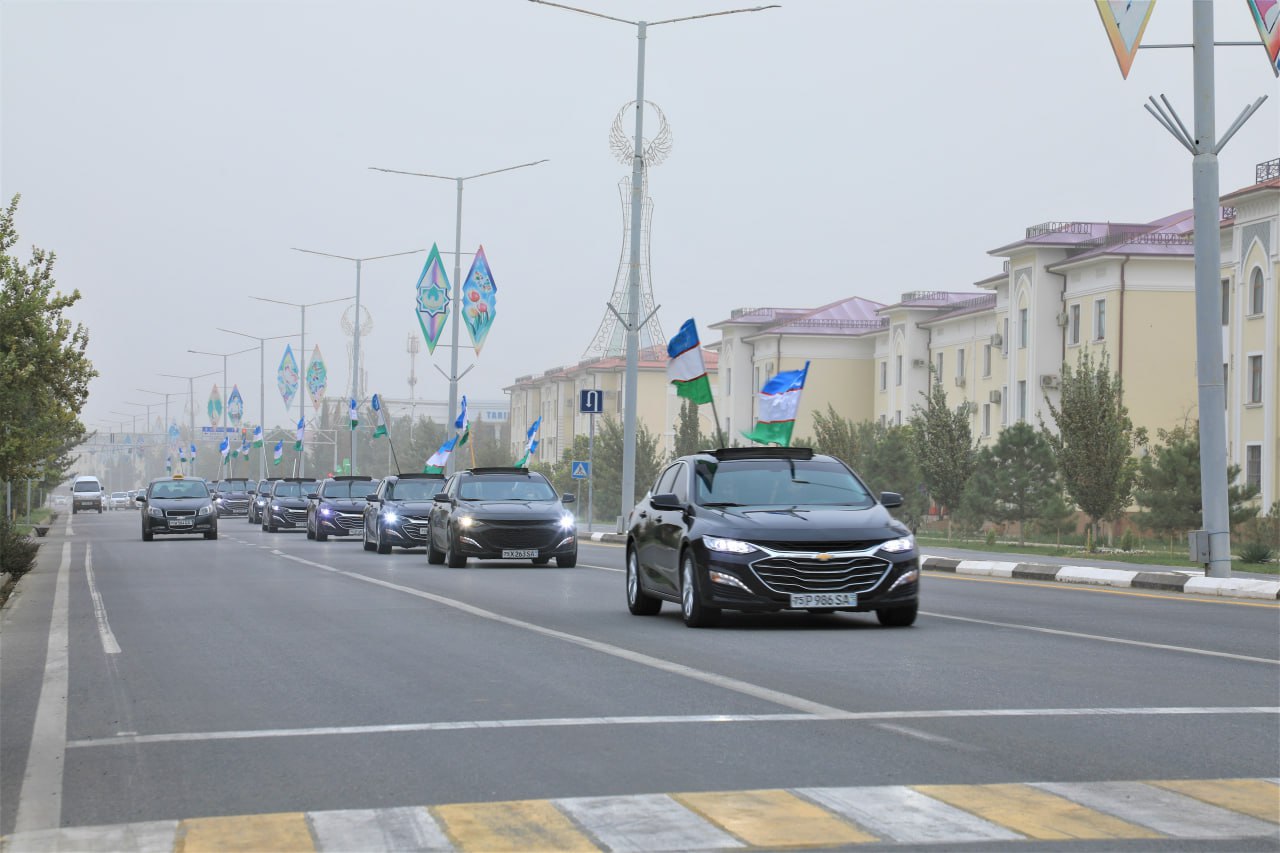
(825, 599)
(520, 554)
(180, 522)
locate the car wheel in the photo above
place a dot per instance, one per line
(898, 617)
(99, 510)
(384, 547)
(320, 535)
(696, 614)
(567, 561)
(271, 525)
(434, 555)
(310, 534)
(639, 602)
(364, 539)
(147, 535)
(211, 534)
(452, 557)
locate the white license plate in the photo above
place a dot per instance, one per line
(180, 522)
(825, 599)
(520, 554)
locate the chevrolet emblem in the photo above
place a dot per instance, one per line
(823, 557)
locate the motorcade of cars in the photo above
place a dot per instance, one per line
(118, 500)
(178, 504)
(399, 512)
(258, 497)
(338, 506)
(501, 514)
(231, 497)
(286, 506)
(762, 529)
(86, 493)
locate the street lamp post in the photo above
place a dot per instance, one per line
(262, 390)
(225, 396)
(355, 334)
(191, 400)
(302, 456)
(166, 395)
(146, 429)
(633, 321)
(456, 299)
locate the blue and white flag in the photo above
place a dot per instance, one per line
(381, 428)
(225, 447)
(440, 458)
(302, 428)
(257, 436)
(461, 424)
(532, 447)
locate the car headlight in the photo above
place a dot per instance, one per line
(728, 546)
(205, 510)
(466, 521)
(325, 511)
(898, 546)
(155, 512)
(276, 507)
(566, 521)
(390, 517)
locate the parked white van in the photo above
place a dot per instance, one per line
(86, 493)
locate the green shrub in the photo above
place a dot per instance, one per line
(991, 538)
(17, 552)
(1255, 552)
(1129, 541)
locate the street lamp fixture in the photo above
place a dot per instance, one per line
(191, 398)
(262, 388)
(225, 396)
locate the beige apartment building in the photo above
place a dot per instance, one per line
(1065, 287)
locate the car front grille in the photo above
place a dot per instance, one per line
(295, 516)
(793, 572)
(819, 547)
(235, 505)
(180, 513)
(349, 522)
(499, 535)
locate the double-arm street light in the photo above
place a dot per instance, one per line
(302, 365)
(633, 321)
(191, 398)
(262, 389)
(166, 395)
(225, 395)
(355, 333)
(456, 299)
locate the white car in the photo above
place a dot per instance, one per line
(118, 500)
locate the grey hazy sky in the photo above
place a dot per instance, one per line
(172, 152)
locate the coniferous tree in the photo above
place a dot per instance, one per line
(1023, 475)
(944, 445)
(1168, 485)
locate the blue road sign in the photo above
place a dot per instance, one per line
(580, 470)
(591, 401)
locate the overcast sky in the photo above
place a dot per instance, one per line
(171, 153)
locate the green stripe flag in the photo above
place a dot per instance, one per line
(776, 412)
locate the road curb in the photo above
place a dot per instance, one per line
(608, 537)
(1092, 575)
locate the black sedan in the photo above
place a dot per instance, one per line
(501, 514)
(287, 504)
(767, 529)
(177, 505)
(399, 513)
(338, 507)
(231, 497)
(259, 496)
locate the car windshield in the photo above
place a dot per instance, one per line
(180, 489)
(233, 486)
(119, 495)
(778, 482)
(513, 488)
(292, 490)
(87, 486)
(414, 490)
(350, 488)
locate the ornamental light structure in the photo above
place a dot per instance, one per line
(633, 322)
(224, 356)
(456, 299)
(355, 335)
(191, 395)
(262, 390)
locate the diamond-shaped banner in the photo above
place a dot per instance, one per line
(287, 376)
(479, 300)
(235, 406)
(317, 378)
(215, 406)
(1125, 21)
(433, 299)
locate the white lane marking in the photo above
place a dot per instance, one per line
(151, 836)
(553, 722)
(109, 644)
(724, 682)
(1102, 639)
(925, 736)
(40, 800)
(601, 568)
(667, 825)
(901, 814)
(69, 530)
(401, 828)
(1164, 811)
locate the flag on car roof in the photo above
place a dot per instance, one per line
(435, 465)
(463, 424)
(776, 411)
(381, 428)
(532, 447)
(686, 370)
(257, 436)
(225, 446)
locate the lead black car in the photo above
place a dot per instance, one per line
(178, 505)
(501, 514)
(767, 529)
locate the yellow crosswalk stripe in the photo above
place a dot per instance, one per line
(773, 819)
(286, 831)
(1035, 813)
(1254, 797)
(525, 825)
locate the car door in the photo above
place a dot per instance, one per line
(438, 520)
(669, 527)
(647, 518)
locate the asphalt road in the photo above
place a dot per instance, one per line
(265, 673)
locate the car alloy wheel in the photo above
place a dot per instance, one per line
(384, 547)
(696, 614)
(638, 602)
(451, 556)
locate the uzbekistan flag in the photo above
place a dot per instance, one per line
(381, 428)
(257, 436)
(224, 447)
(685, 370)
(462, 424)
(302, 428)
(193, 453)
(355, 420)
(279, 452)
(776, 413)
(435, 465)
(532, 447)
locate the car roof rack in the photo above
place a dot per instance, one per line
(416, 475)
(507, 470)
(349, 477)
(726, 453)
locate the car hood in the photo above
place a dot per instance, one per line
(292, 503)
(422, 508)
(344, 505)
(513, 510)
(806, 523)
(167, 504)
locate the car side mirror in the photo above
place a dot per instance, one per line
(372, 498)
(890, 499)
(567, 498)
(313, 494)
(441, 498)
(665, 501)
(141, 499)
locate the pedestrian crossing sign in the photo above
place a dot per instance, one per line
(581, 470)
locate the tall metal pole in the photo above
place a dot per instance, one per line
(355, 375)
(302, 394)
(632, 374)
(457, 311)
(262, 408)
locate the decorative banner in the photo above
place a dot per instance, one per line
(215, 406)
(317, 378)
(235, 406)
(287, 376)
(173, 433)
(1266, 14)
(433, 299)
(479, 300)
(1125, 21)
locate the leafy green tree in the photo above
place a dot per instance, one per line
(978, 500)
(1057, 516)
(608, 466)
(1168, 485)
(689, 436)
(881, 455)
(1094, 440)
(836, 435)
(44, 371)
(944, 446)
(1023, 475)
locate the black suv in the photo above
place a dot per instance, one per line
(764, 529)
(231, 496)
(338, 507)
(178, 505)
(287, 504)
(258, 498)
(501, 514)
(400, 511)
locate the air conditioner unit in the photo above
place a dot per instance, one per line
(997, 340)
(959, 381)
(1048, 380)
(994, 396)
(1062, 320)
(918, 362)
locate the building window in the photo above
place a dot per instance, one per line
(938, 376)
(1100, 319)
(884, 375)
(1226, 385)
(1255, 379)
(1004, 338)
(728, 379)
(897, 418)
(1022, 328)
(1022, 399)
(986, 419)
(1226, 302)
(897, 375)
(1253, 466)
(1255, 293)
(1006, 408)
(986, 359)
(960, 363)
(883, 420)
(1073, 324)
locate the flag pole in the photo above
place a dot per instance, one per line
(716, 417)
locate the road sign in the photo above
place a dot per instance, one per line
(580, 470)
(591, 401)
